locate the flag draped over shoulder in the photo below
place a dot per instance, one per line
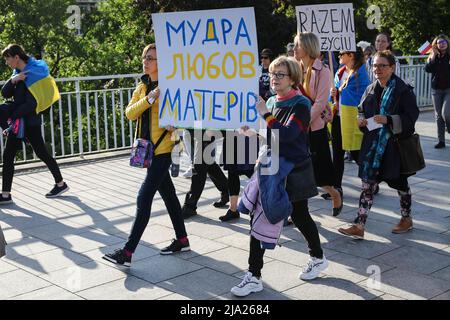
(41, 85)
(349, 100)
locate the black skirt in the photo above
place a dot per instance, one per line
(321, 158)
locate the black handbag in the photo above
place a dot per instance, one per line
(411, 155)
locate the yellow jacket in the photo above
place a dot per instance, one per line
(137, 107)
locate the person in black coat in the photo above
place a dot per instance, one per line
(390, 104)
(438, 64)
(23, 106)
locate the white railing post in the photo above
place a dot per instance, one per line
(80, 124)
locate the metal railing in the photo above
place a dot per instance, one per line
(89, 118)
(421, 81)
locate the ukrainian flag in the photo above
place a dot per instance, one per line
(41, 85)
(350, 99)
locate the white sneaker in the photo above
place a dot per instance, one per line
(313, 268)
(248, 285)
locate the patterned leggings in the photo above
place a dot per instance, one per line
(366, 198)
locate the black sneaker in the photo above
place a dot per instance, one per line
(188, 212)
(440, 145)
(5, 200)
(230, 215)
(224, 199)
(175, 246)
(57, 191)
(118, 257)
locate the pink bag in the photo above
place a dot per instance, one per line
(141, 153)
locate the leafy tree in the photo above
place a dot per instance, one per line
(412, 22)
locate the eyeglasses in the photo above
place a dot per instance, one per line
(149, 58)
(278, 75)
(343, 54)
(264, 57)
(380, 66)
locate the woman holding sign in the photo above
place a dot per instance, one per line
(316, 86)
(143, 108)
(388, 111)
(288, 113)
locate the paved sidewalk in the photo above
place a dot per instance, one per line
(55, 245)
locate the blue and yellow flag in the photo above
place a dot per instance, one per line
(41, 85)
(350, 98)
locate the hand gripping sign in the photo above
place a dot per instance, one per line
(207, 68)
(334, 24)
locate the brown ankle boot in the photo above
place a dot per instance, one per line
(356, 231)
(404, 225)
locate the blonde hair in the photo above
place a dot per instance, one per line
(295, 73)
(441, 36)
(147, 48)
(310, 44)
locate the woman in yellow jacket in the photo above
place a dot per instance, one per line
(143, 108)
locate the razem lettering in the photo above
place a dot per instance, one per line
(327, 21)
(217, 64)
(200, 105)
(204, 31)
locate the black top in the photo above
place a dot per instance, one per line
(439, 67)
(23, 105)
(145, 123)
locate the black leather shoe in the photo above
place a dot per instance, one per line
(337, 211)
(230, 215)
(223, 201)
(440, 145)
(188, 212)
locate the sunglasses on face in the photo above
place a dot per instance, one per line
(264, 57)
(442, 42)
(342, 54)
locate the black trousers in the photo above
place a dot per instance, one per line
(338, 153)
(234, 183)
(33, 134)
(303, 221)
(201, 170)
(198, 181)
(157, 179)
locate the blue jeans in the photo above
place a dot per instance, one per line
(441, 102)
(157, 179)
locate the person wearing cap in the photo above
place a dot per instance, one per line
(264, 80)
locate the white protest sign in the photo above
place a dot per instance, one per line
(334, 24)
(207, 68)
